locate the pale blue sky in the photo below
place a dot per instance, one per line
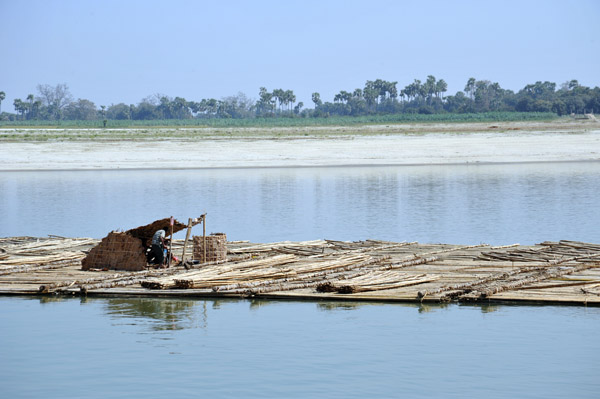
(114, 51)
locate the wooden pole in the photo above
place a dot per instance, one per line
(171, 243)
(204, 237)
(187, 237)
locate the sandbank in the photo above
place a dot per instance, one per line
(404, 144)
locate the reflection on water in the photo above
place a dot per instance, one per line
(164, 314)
(349, 306)
(161, 314)
(463, 204)
(489, 308)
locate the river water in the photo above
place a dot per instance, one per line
(156, 348)
(153, 348)
(457, 204)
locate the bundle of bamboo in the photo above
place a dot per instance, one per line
(548, 251)
(274, 247)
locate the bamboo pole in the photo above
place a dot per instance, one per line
(45, 266)
(451, 292)
(171, 243)
(204, 237)
(187, 237)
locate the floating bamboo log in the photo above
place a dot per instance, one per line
(17, 265)
(257, 248)
(356, 288)
(390, 270)
(542, 275)
(211, 272)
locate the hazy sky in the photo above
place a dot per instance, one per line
(122, 51)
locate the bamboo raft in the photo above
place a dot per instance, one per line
(564, 272)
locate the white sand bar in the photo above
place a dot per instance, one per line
(312, 150)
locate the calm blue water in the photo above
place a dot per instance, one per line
(156, 348)
(467, 204)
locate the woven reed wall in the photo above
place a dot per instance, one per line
(117, 251)
(216, 247)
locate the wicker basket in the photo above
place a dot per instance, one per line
(216, 248)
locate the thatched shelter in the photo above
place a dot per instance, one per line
(127, 250)
(146, 232)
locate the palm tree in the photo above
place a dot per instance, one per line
(441, 87)
(470, 87)
(20, 107)
(279, 96)
(392, 90)
(290, 98)
(30, 99)
(2, 97)
(316, 98)
(429, 87)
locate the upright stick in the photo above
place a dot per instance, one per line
(171, 243)
(187, 237)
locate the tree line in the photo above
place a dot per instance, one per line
(377, 97)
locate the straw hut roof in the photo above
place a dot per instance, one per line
(146, 232)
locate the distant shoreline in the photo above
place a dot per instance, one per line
(150, 169)
(42, 134)
(382, 145)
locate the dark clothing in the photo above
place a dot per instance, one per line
(157, 255)
(158, 237)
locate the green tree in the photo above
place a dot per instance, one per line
(342, 97)
(30, 110)
(265, 104)
(414, 90)
(20, 107)
(458, 103)
(145, 110)
(82, 110)
(119, 111)
(488, 96)
(181, 108)
(440, 88)
(316, 99)
(298, 108)
(290, 99)
(165, 107)
(279, 96)
(573, 84)
(371, 94)
(207, 108)
(34, 109)
(2, 97)
(430, 88)
(470, 88)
